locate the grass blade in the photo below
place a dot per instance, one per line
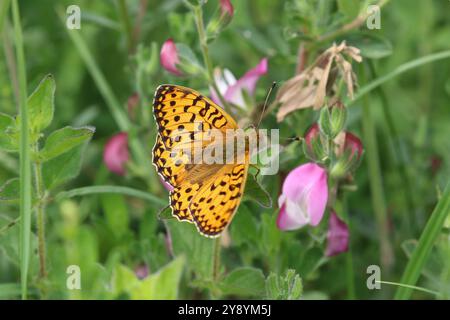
(426, 241)
(111, 189)
(398, 71)
(25, 164)
(4, 7)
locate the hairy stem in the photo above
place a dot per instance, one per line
(198, 15)
(40, 215)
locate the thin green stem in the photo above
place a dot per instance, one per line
(4, 7)
(115, 107)
(376, 185)
(216, 264)
(427, 239)
(110, 189)
(409, 287)
(396, 142)
(349, 270)
(123, 11)
(25, 164)
(396, 72)
(40, 215)
(357, 22)
(198, 15)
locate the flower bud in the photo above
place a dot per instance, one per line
(169, 57)
(315, 147)
(350, 158)
(332, 119)
(337, 236)
(221, 19)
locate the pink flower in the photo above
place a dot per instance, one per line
(232, 89)
(166, 185)
(354, 145)
(337, 236)
(169, 57)
(226, 7)
(115, 154)
(304, 197)
(142, 271)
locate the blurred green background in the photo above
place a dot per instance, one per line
(110, 236)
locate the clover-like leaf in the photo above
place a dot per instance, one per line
(8, 136)
(9, 191)
(40, 104)
(63, 140)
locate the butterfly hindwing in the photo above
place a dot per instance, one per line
(215, 203)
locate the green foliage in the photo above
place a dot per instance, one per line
(63, 140)
(244, 281)
(162, 285)
(289, 287)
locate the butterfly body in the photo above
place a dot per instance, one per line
(206, 193)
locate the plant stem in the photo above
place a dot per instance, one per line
(40, 215)
(198, 15)
(396, 72)
(358, 21)
(426, 242)
(216, 264)
(376, 186)
(123, 11)
(111, 189)
(115, 107)
(350, 275)
(25, 164)
(397, 149)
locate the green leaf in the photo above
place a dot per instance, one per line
(9, 290)
(244, 227)
(9, 246)
(9, 192)
(9, 137)
(62, 168)
(245, 281)
(162, 285)
(198, 249)
(372, 46)
(116, 213)
(273, 290)
(64, 140)
(254, 191)
(350, 8)
(40, 104)
(289, 287)
(312, 259)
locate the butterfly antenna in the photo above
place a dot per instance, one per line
(265, 103)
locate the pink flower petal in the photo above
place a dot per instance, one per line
(226, 7)
(337, 236)
(291, 216)
(169, 57)
(166, 185)
(247, 82)
(115, 153)
(304, 197)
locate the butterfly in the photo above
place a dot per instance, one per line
(207, 195)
